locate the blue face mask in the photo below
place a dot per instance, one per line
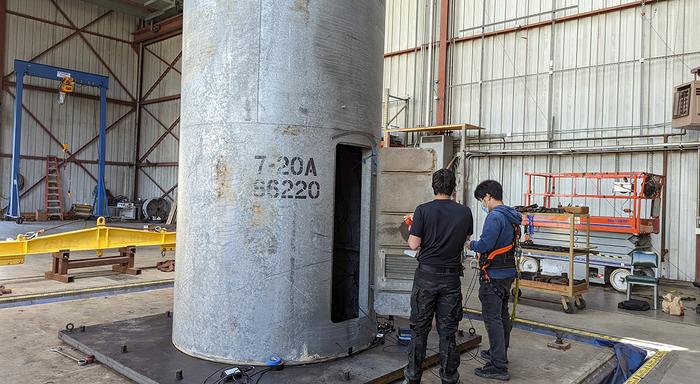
(483, 207)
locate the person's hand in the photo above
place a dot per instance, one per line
(468, 247)
(408, 219)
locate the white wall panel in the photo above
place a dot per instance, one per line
(611, 76)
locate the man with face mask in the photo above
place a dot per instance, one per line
(496, 249)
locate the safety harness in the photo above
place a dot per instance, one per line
(500, 258)
(506, 257)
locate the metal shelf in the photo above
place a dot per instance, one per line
(551, 287)
(435, 128)
(570, 293)
(565, 214)
(577, 252)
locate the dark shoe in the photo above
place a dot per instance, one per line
(491, 372)
(486, 355)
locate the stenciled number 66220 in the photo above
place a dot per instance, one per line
(286, 189)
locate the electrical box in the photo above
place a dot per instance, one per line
(127, 211)
(622, 187)
(442, 145)
(686, 106)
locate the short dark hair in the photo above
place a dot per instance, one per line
(490, 187)
(444, 182)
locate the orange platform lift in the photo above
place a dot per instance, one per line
(641, 190)
(635, 198)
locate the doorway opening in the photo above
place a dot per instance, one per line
(347, 215)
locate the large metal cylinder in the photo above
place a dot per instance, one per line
(281, 106)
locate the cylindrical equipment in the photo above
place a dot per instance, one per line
(155, 209)
(281, 109)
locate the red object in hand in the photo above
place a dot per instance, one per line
(408, 220)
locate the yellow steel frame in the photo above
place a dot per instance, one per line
(98, 238)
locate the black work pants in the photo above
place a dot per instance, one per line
(440, 295)
(494, 310)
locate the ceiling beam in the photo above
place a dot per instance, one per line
(159, 31)
(128, 7)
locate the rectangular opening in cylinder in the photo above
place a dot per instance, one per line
(346, 233)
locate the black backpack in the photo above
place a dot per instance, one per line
(634, 305)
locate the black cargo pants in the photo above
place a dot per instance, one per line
(494, 310)
(438, 294)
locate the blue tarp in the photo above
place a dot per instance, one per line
(629, 359)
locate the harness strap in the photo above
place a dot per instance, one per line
(500, 251)
(485, 264)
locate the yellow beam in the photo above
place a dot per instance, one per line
(98, 238)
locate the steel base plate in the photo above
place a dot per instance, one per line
(150, 356)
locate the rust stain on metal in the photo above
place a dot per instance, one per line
(301, 6)
(259, 215)
(222, 186)
(291, 130)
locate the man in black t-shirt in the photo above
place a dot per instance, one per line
(440, 228)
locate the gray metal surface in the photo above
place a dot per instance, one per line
(152, 359)
(268, 91)
(404, 182)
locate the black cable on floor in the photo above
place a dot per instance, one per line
(470, 290)
(214, 373)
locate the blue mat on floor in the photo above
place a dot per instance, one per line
(629, 359)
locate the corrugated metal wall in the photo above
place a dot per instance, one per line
(582, 79)
(406, 28)
(590, 78)
(75, 122)
(158, 118)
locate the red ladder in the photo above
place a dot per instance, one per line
(52, 196)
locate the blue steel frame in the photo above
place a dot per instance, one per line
(25, 68)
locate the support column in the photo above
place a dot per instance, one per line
(100, 208)
(442, 61)
(13, 209)
(137, 135)
(3, 28)
(697, 258)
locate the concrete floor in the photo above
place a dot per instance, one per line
(681, 335)
(551, 365)
(29, 331)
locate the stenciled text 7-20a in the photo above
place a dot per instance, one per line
(289, 177)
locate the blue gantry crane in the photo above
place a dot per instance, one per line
(67, 77)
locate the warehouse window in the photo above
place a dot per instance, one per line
(346, 233)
